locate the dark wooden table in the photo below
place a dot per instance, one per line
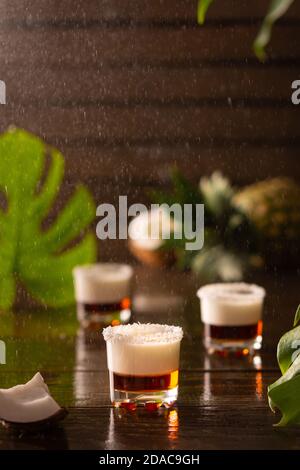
(222, 402)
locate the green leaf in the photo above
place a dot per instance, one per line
(288, 348)
(289, 345)
(39, 259)
(215, 263)
(71, 221)
(297, 316)
(7, 291)
(49, 279)
(284, 395)
(203, 6)
(182, 191)
(277, 9)
(43, 202)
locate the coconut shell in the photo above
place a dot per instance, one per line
(36, 426)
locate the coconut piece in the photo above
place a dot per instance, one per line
(19, 390)
(147, 232)
(29, 404)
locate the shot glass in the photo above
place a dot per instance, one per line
(143, 364)
(103, 294)
(232, 317)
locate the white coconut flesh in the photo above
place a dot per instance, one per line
(27, 403)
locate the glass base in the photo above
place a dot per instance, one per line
(238, 347)
(94, 319)
(151, 399)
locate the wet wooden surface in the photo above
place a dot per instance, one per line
(222, 402)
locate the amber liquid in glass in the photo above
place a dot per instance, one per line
(233, 333)
(105, 308)
(93, 315)
(144, 383)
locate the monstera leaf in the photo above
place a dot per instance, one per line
(40, 259)
(287, 348)
(284, 393)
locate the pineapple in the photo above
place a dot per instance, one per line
(274, 207)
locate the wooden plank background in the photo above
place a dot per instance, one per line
(128, 88)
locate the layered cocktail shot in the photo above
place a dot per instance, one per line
(232, 316)
(143, 363)
(103, 294)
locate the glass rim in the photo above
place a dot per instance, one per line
(143, 333)
(101, 268)
(234, 291)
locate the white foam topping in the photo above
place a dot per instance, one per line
(143, 349)
(102, 282)
(235, 291)
(231, 304)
